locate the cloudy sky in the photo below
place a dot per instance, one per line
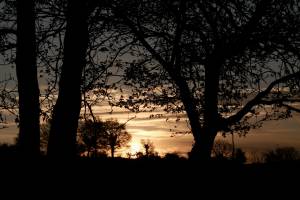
(159, 131)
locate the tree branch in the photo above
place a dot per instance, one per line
(141, 37)
(258, 99)
(291, 108)
(178, 33)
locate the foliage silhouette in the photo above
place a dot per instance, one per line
(173, 157)
(220, 62)
(227, 65)
(224, 150)
(90, 133)
(115, 136)
(281, 154)
(149, 151)
(101, 136)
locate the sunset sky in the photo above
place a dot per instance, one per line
(158, 126)
(159, 130)
(273, 134)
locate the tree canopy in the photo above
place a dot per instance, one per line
(229, 65)
(220, 62)
(99, 135)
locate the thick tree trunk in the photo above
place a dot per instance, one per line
(203, 136)
(190, 108)
(62, 141)
(204, 144)
(26, 68)
(211, 114)
(202, 149)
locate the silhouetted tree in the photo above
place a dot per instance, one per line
(62, 140)
(255, 157)
(98, 136)
(49, 24)
(91, 136)
(148, 147)
(8, 85)
(149, 150)
(115, 136)
(224, 150)
(282, 154)
(28, 89)
(220, 62)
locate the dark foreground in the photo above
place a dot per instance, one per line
(151, 176)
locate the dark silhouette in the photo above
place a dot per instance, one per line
(239, 156)
(173, 157)
(98, 136)
(90, 137)
(26, 67)
(8, 151)
(281, 154)
(148, 152)
(221, 63)
(95, 138)
(62, 139)
(115, 136)
(210, 53)
(148, 147)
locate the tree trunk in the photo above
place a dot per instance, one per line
(193, 116)
(203, 136)
(62, 141)
(28, 88)
(112, 150)
(211, 114)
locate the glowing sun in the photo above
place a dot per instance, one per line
(134, 148)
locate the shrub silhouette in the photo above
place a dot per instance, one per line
(149, 151)
(281, 154)
(173, 156)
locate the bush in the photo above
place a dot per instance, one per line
(281, 154)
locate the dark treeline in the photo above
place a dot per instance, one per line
(221, 63)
